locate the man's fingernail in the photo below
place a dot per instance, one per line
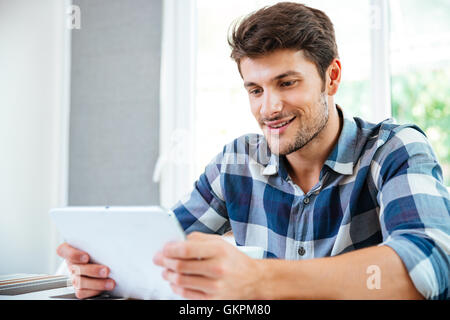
(103, 272)
(84, 259)
(109, 285)
(157, 256)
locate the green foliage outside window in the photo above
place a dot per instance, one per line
(422, 98)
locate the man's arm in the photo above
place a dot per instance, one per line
(207, 267)
(414, 209)
(352, 275)
(204, 209)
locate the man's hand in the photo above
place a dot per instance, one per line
(88, 279)
(207, 267)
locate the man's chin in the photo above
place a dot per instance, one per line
(277, 148)
(283, 149)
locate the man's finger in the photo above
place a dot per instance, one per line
(86, 293)
(82, 282)
(197, 283)
(191, 250)
(207, 268)
(188, 293)
(71, 254)
(90, 270)
(158, 259)
(201, 236)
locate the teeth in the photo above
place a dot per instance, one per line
(280, 125)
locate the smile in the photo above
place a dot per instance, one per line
(279, 127)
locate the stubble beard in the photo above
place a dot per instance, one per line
(307, 131)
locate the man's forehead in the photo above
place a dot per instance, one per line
(274, 66)
(279, 76)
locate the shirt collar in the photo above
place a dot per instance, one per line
(341, 160)
(344, 156)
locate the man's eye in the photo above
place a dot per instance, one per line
(255, 91)
(288, 83)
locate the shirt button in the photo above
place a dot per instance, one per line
(306, 200)
(301, 251)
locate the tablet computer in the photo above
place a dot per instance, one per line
(125, 239)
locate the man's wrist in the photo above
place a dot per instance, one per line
(273, 279)
(283, 279)
(263, 280)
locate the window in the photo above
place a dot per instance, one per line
(222, 111)
(420, 66)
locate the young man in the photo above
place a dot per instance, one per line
(351, 209)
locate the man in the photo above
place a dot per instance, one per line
(351, 209)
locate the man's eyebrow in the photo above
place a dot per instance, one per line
(278, 77)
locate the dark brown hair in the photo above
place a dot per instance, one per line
(285, 25)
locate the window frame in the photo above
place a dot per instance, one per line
(177, 99)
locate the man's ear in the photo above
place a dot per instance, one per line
(334, 77)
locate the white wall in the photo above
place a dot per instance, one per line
(32, 131)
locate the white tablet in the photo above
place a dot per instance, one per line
(125, 239)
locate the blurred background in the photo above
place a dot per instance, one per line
(124, 102)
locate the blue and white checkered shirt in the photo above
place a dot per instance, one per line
(381, 185)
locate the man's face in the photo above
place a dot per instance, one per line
(286, 98)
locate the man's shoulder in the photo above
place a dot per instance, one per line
(387, 135)
(386, 129)
(393, 136)
(398, 147)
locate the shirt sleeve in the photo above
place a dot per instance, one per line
(204, 208)
(415, 209)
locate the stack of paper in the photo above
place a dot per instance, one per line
(15, 284)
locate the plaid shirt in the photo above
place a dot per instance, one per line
(381, 185)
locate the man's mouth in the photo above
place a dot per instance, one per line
(278, 126)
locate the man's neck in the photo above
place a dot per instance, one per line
(304, 165)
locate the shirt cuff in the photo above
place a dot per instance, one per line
(420, 266)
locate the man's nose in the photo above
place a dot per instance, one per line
(271, 105)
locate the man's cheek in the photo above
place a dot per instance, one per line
(255, 112)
